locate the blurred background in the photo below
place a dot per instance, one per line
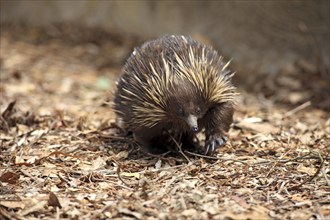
(279, 48)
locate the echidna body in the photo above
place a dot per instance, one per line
(172, 88)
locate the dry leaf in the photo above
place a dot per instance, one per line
(135, 175)
(309, 170)
(53, 200)
(240, 201)
(34, 207)
(12, 204)
(265, 128)
(9, 177)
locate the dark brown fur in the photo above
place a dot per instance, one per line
(184, 108)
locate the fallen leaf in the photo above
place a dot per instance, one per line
(9, 177)
(12, 204)
(189, 212)
(309, 170)
(129, 212)
(241, 201)
(53, 200)
(36, 206)
(265, 128)
(136, 175)
(252, 120)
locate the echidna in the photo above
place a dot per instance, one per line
(172, 88)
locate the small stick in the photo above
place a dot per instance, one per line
(325, 177)
(120, 178)
(215, 158)
(297, 109)
(179, 146)
(312, 177)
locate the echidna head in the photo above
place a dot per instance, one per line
(186, 105)
(190, 112)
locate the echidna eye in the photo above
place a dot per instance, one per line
(180, 112)
(198, 111)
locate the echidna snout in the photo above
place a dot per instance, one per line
(192, 122)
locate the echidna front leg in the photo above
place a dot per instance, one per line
(146, 138)
(217, 122)
(156, 140)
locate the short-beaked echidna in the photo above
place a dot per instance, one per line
(172, 88)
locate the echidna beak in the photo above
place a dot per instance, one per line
(192, 122)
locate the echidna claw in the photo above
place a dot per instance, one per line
(213, 143)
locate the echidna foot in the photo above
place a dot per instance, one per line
(213, 143)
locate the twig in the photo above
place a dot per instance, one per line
(119, 177)
(325, 177)
(203, 156)
(166, 168)
(179, 146)
(8, 111)
(312, 177)
(38, 161)
(159, 156)
(297, 109)
(215, 158)
(288, 160)
(112, 182)
(117, 138)
(276, 162)
(114, 125)
(6, 126)
(298, 204)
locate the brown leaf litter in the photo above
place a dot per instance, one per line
(62, 158)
